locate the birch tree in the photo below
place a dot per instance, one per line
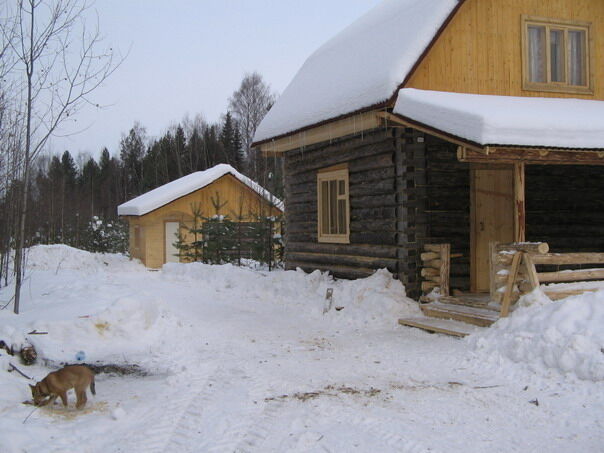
(249, 104)
(59, 63)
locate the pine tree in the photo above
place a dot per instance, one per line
(132, 150)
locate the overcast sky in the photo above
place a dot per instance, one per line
(188, 56)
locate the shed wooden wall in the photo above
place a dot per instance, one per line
(231, 190)
(481, 49)
(373, 206)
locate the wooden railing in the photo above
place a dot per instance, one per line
(514, 271)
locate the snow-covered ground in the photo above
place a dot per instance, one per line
(244, 360)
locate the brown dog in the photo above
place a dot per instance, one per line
(56, 384)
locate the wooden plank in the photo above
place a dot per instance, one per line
(469, 315)
(354, 124)
(533, 156)
(445, 326)
(507, 295)
(530, 271)
(571, 275)
(519, 204)
(568, 258)
(445, 257)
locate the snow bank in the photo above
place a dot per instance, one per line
(121, 333)
(59, 257)
(373, 302)
(564, 337)
(128, 331)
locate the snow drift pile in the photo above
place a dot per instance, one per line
(373, 302)
(565, 337)
(59, 257)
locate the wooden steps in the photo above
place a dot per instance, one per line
(437, 325)
(482, 317)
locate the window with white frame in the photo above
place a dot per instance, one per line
(556, 55)
(333, 205)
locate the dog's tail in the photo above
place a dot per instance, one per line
(92, 388)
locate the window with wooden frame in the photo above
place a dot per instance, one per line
(556, 55)
(333, 205)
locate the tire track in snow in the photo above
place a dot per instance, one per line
(163, 419)
(190, 433)
(375, 428)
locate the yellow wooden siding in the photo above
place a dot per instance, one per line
(152, 227)
(480, 51)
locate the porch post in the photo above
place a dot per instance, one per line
(519, 204)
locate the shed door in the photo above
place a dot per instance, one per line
(493, 217)
(171, 237)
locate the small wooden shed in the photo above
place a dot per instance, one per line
(156, 217)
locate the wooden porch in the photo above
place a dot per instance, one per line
(515, 269)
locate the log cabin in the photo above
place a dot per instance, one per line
(156, 218)
(429, 131)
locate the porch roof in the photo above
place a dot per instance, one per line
(507, 120)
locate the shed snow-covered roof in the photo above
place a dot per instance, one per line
(180, 187)
(507, 120)
(360, 67)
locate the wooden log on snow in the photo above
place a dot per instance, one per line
(528, 247)
(568, 258)
(571, 276)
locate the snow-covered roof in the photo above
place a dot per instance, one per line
(507, 120)
(180, 187)
(360, 67)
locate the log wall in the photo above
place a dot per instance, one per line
(373, 207)
(565, 207)
(435, 206)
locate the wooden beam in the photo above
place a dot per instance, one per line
(519, 204)
(568, 258)
(541, 156)
(392, 119)
(571, 276)
(340, 128)
(528, 247)
(509, 288)
(530, 271)
(445, 257)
